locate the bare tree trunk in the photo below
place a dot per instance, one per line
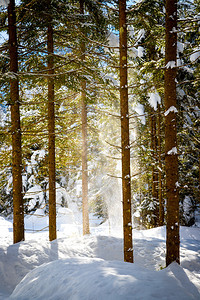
(51, 135)
(160, 195)
(18, 208)
(154, 167)
(125, 144)
(171, 159)
(86, 229)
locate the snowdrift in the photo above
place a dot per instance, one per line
(96, 279)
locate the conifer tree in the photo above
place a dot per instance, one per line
(68, 42)
(171, 152)
(146, 92)
(18, 208)
(51, 135)
(125, 144)
(189, 107)
(85, 211)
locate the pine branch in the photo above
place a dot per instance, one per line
(113, 176)
(115, 146)
(48, 75)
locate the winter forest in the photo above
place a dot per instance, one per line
(99, 149)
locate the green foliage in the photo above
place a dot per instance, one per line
(189, 112)
(99, 69)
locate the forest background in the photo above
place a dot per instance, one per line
(86, 51)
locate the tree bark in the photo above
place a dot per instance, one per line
(160, 195)
(51, 137)
(125, 144)
(171, 159)
(18, 209)
(154, 167)
(86, 229)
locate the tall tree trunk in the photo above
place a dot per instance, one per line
(160, 195)
(18, 209)
(171, 159)
(154, 167)
(86, 229)
(51, 135)
(125, 144)
(154, 144)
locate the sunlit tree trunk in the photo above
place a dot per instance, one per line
(125, 144)
(51, 136)
(18, 209)
(86, 229)
(171, 159)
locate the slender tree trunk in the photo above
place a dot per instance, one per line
(51, 135)
(154, 147)
(18, 209)
(86, 229)
(154, 167)
(160, 195)
(125, 144)
(171, 159)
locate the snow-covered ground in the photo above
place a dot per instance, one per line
(91, 267)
